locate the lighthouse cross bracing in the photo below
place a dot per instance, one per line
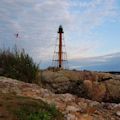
(60, 55)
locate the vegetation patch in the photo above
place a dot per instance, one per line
(21, 108)
(18, 65)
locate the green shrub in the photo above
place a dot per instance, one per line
(26, 108)
(40, 115)
(18, 65)
(37, 111)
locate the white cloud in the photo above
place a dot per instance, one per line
(95, 12)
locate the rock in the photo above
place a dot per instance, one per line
(116, 77)
(94, 104)
(88, 84)
(1, 115)
(72, 109)
(67, 97)
(86, 117)
(118, 113)
(88, 87)
(47, 76)
(61, 79)
(113, 91)
(98, 91)
(71, 117)
(83, 106)
(94, 90)
(92, 85)
(104, 76)
(1, 71)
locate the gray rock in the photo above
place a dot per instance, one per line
(70, 117)
(94, 103)
(72, 109)
(118, 113)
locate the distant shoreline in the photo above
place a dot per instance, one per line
(114, 72)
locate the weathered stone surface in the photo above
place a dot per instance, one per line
(92, 85)
(113, 90)
(71, 117)
(73, 107)
(118, 113)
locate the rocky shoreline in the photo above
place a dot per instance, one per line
(72, 106)
(91, 85)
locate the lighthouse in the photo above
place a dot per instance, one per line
(60, 55)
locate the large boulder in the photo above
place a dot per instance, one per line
(104, 76)
(94, 90)
(92, 85)
(113, 90)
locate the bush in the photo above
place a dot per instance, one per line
(37, 111)
(18, 65)
(14, 107)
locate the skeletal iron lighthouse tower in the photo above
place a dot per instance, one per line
(60, 31)
(60, 55)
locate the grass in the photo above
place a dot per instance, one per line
(22, 108)
(36, 112)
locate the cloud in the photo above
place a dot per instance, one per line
(108, 62)
(37, 23)
(94, 13)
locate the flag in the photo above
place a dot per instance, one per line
(16, 35)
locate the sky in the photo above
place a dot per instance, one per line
(91, 31)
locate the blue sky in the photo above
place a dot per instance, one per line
(92, 30)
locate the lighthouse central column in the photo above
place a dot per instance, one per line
(60, 52)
